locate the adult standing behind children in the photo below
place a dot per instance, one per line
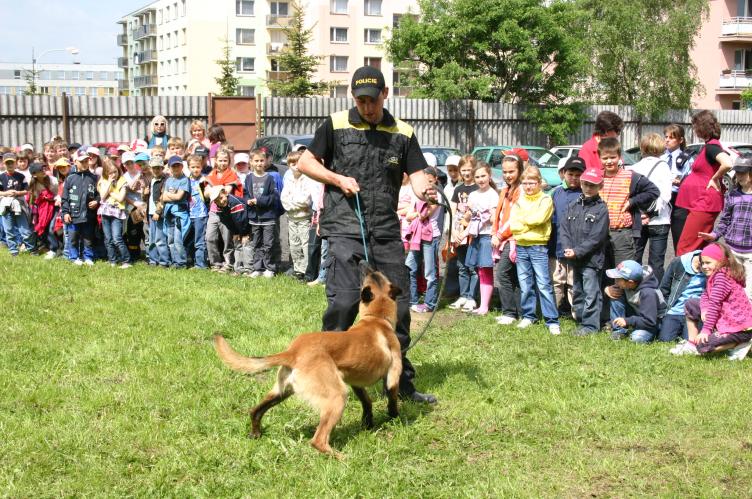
(363, 152)
(656, 221)
(700, 197)
(678, 160)
(157, 135)
(607, 124)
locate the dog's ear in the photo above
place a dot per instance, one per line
(394, 291)
(366, 295)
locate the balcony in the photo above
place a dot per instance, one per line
(122, 62)
(122, 40)
(736, 29)
(733, 82)
(145, 56)
(274, 22)
(145, 81)
(277, 75)
(122, 84)
(144, 31)
(276, 48)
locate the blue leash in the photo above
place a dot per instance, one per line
(361, 219)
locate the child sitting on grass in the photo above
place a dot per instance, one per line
(636, 302)
(722, 318)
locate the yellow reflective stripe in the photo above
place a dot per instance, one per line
(398, 127)
(340, 121)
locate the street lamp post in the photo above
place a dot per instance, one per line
(71, 50)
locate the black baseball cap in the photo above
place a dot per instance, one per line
(743, 163)
(367, 81)
(35, 168)
(574, 163)
(74, 145)
(201, 151)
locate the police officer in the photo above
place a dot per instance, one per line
(361, 154)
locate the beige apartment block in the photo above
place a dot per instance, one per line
(171, 47)
(94, 80)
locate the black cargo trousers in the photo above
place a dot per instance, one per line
(343, 281)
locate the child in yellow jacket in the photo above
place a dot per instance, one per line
(530, 222)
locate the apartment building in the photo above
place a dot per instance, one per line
(171, 47)
(723, 54)
(95, 80)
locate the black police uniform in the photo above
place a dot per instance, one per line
(376, 156)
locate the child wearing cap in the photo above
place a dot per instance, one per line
(243, 247)
(136, 230)
(297, 198)
(736, 219)
(636, 302)
(159, 253)
(583, 236)
(13, 207)
(262, 197)
(79, 208)
(219, 241)
(177, 221)
(198, 210)
(561, 268)
(722, 318)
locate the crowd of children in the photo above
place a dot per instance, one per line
(200, 205)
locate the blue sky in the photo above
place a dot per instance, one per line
(89, 25)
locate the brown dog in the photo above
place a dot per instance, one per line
(319, 366)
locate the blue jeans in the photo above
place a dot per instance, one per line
(117, 251)
(177, 225)
(588, 300)
(429, 251)
(81, 232)
(657, 236)
(159, 254)
(17, 231)
(620, 308)
(673, 327)
(324, 255)
(467, 276)
(532, 273)
(199, 241)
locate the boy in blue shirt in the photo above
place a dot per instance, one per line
(198, 211)
(177, 222)
(262, 198)
(13, 207)
(78, 205)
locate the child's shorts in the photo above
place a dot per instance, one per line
(479, 252)
(715, 340)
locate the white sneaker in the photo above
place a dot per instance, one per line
(315, 282)
(126, 265)
(740, 351)
(255, 274)
(49, 255)
(678, 348)
(524, 324)
(88, 262)
(458, 304)
(469, 306)
(78, 262)
(554, 329)
(505, 320)
(268, 274)
(687, 349)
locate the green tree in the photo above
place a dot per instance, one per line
(31, 77)
(518, 51)
(297, 65)
(227, 81)
(640, 52)
(746, 98)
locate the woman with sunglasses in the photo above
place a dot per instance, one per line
(158, 133)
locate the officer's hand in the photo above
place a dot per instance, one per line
(430, 195)
(348, 185)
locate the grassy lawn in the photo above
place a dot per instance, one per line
(109, 386)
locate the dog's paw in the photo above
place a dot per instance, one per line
(367, 422)
(254, 434)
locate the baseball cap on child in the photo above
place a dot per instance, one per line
(573, 163)
(175, 160)
(9, 157)
(82, 153)
(242, 157)
(628, 269)
(743, 163)
(123, 148)
(592, 176)
(155, 162)
(35, 168)
(367, 81)
(453, 160)
(139, 145)
(214, 192)
(62, 162)
(27, 147)
(201, 151)
(128, 156)
(142, 156)
(92, 150)
(75, 146)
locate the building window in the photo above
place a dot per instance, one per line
(169, 41)
(338, 91)
(182, 11)
(160, 45)
(175, 39)
(338, 35)
(280, 9)
(275, 65)
(338, 7)
(245, 36)
(374, 62)
(372, 7)
(372, 36)
(245, 64)
(185, 36)
(104, 75)
(175, 10)
(80, 91)
(16, 74)
(185, 64)
(338, 64)
(244, 7)
(167, 14)
(246, 90)
(735, 105)
(59, 75)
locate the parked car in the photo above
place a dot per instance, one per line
(545, 160)
(441, 153)
(565, 152)
(280, 146)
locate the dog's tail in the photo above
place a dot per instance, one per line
(243, 364)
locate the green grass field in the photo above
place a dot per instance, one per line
(110, 387)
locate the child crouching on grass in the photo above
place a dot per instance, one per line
(636, 302)
(722, 318)
(530, 222)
